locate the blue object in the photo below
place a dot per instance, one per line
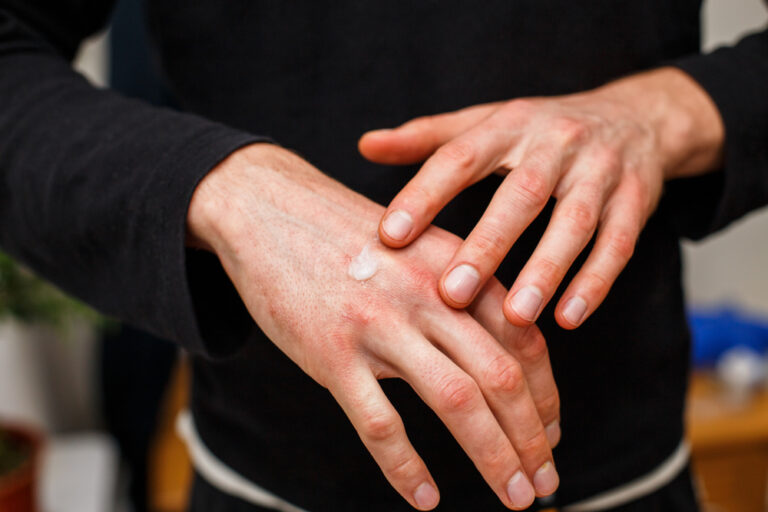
(716, 330)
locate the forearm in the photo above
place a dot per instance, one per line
(94, 187)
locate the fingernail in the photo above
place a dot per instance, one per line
(519, 490)
(426, 496)
(553, 433)
(527, 302)
(461, 283)
(397, 225)
(574, 310)
(546, 479)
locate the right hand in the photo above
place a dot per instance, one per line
(285, 234)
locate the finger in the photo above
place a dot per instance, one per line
(453, 167)
(417, 139)
(528, 346)
(517, 202)
(504, 386)
(381, 429)
(624, 217)
(570, 229)
(457, 400)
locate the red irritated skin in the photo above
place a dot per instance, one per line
(286, 234)
(603, 154)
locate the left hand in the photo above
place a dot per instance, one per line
(603, 154)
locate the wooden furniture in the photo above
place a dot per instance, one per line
(170, 469)
(729, 445)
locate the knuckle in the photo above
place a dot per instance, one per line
(421, 193)
(379, 426)
(489, 241)
(458, 394)
(335, 345)
(532, 348)
(420, 282)
(357, 314)
(329, 355)
(533, 444)
(644, 198)
(550, 271)
(597, 283)
(608, 158)
(621, 245)
(498, 459)
(571, 130)
(582, 215)
(403, 468)
(549, 407)
(419, 277)
(419, 123)
(504, 376)
(533, 188)
(520, 106)
(460, 154)
(642, 194)
(593, 188)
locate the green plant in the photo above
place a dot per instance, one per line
(29, 299)
(12, 453)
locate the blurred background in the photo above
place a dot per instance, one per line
(105, 396)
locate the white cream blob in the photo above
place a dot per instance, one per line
(364, 265)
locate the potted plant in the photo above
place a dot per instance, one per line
(19, 454)
(25, 301)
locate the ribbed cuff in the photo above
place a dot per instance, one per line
(204, 311)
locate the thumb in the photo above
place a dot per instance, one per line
(417, 139)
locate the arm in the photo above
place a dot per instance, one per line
(95, 186)
(95, 194)
(286, 235)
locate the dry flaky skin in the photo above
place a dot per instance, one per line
(286, 234)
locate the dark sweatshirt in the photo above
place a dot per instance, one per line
(94, 190)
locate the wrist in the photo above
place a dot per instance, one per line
(687, 125)
(243, 198)
(209, 216)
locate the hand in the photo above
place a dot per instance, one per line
(603, 154)
(285, 234)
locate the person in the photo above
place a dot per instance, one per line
(240, 249)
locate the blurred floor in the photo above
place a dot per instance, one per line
(729, 446)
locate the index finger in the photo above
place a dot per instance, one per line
(456, 165)
(521, 196)
(382, 431)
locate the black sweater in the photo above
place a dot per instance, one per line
(94, 190)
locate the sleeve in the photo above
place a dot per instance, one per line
(94, 187)
(736, 78)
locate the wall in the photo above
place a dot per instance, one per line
(732, 266)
